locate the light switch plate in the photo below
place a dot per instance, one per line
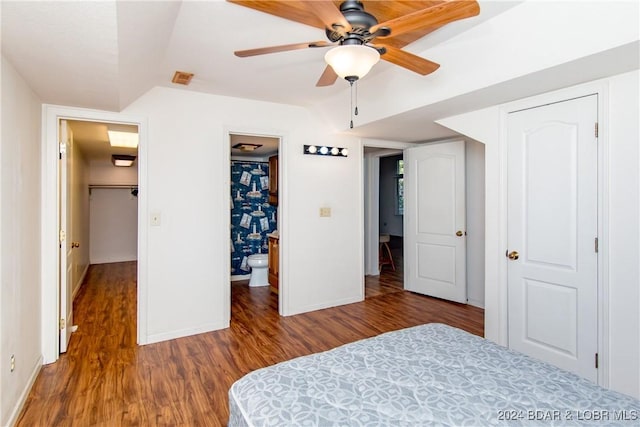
(325, 212)
(155, 219)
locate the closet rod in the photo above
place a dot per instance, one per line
(91, 186)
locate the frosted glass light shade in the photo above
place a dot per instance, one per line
(352, 60)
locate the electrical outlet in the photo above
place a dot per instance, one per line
(13, 363)
(325, 212)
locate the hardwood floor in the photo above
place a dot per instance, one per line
(105, 379)
(389, 280)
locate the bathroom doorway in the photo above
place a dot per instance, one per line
(254, 235)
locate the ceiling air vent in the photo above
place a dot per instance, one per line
(182, 78)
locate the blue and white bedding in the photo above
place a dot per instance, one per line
(425, 375)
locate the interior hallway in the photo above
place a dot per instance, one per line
(105, 379)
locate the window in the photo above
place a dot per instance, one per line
(400, 187)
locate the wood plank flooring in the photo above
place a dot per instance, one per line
(105, 379)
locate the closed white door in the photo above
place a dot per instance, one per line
(66, 249)
(552, 230)
(434, 223)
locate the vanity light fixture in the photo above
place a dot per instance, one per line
(324, 150)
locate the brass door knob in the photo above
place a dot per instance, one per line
(459, 233)
(75, 245)
(513, 255)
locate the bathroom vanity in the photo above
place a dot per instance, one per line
(273, 261)
(273, 180)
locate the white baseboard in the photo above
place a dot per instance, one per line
(13, 418)
(76, 288)
(475, 303)
(171, 335)
(328, 304)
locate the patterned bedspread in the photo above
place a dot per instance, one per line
(426, 375)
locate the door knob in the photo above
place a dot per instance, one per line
(459, 233)
(513, 255)
(75, 245)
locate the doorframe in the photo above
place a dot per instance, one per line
(50, 257)
(497, 259)
(281, 215)
(371, 193)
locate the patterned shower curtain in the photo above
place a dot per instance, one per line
(252, 217)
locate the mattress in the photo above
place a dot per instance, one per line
(431, 374)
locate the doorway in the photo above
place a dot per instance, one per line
(474, 153)
(98, 189)
(384, 269)
(54, 315)
(254, 219)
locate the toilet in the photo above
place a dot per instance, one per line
(259, 264)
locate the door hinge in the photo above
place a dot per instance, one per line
(596, 244)
(596, 360)
(596, 129)
(63, 236)
(63, 324)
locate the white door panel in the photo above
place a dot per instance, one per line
(435, 257)
(66, 249)
(552, 224)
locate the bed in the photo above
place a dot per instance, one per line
(431, 374)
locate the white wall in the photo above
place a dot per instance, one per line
(390, 222)
(620, 244)
(104, 173)
(19, 242)
(188, 264)
(475, 197)
(113, 213)
(624, 233)
(113, 222)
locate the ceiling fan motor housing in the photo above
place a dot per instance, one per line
(361, 22)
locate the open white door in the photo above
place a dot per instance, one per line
(434, 225)
(66, 249)
(552, 229)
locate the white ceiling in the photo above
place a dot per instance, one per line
(92, 139)
(105, 54)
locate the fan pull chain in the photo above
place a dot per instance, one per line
(351, 105)
(353, 111)
(356, 110)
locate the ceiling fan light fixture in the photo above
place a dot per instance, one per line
(352, 61)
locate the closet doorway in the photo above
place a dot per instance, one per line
(98, 206)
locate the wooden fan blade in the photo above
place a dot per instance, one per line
(297, 11)
(408, 60)
(329, 14)
(281, 48)
(328, 77)
(435, 16)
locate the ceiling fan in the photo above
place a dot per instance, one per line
(348, 25)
